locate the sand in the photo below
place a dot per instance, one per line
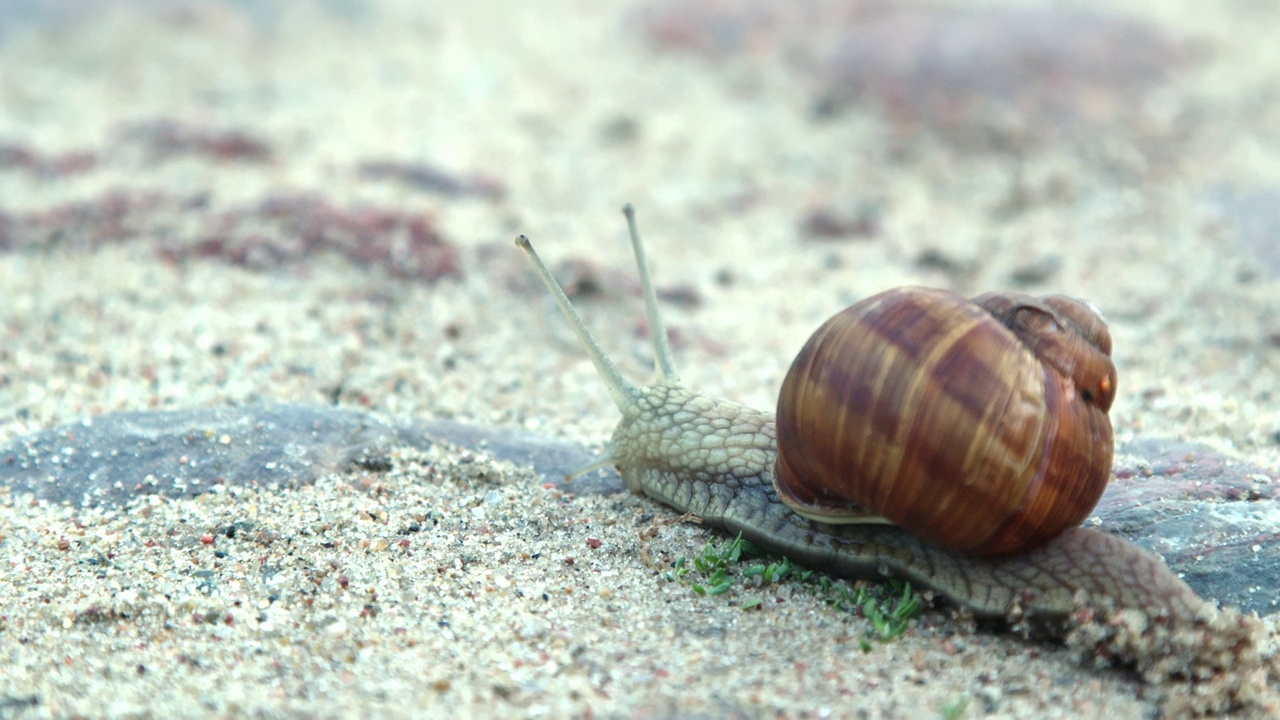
(455, 585)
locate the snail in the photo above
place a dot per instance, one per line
(893, 461)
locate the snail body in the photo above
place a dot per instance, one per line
(731, 465)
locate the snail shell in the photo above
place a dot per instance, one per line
(979, 425)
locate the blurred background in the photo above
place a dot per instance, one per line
(210, 203)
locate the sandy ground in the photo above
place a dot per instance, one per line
(461, 587)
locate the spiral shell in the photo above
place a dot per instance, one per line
(980, 425)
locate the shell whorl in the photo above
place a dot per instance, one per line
(924, 408)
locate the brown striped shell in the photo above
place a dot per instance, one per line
(979, 425)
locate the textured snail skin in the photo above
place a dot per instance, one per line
(714, 459)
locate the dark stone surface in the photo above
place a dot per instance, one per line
(114, 458)
(1214, 518)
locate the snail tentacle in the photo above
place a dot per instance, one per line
(620, 389)
(663, 359)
